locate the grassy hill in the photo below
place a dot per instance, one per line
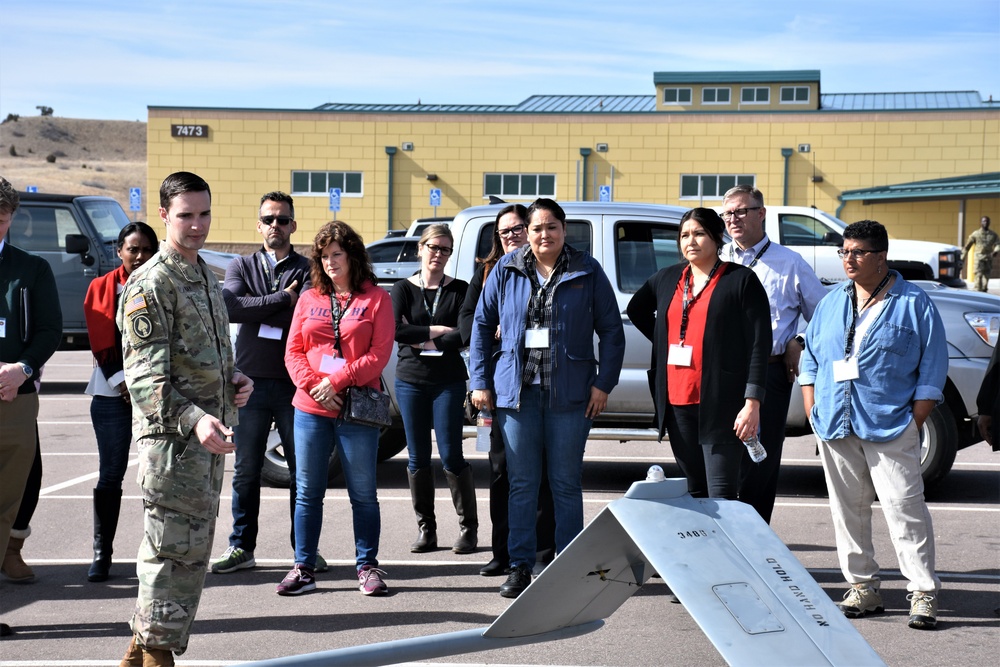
(74, 156)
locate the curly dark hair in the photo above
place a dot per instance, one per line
(868, 230)
(357, 256)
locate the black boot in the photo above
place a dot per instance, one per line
(422, 495)
(463, 494)
(107, 504)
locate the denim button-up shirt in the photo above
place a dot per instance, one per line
(902, 358)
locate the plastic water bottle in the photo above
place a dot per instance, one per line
(655, 474)
(755, 449)
(484, 424)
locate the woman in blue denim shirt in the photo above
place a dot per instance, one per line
(548, 300)
(874, 367)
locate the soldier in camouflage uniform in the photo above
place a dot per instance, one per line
(185, 393)
(987, 243)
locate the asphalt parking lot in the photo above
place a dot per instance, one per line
(61, 619)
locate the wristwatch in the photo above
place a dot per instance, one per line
(25, 368)
(800, 339)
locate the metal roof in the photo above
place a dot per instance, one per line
(973, 186)
(349, 107)
(778, 76)
(961, 99)
(587, 104)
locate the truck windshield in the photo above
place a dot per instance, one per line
(108, 218)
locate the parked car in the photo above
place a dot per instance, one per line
(394, 258)
(633, 241)
(418, 226)
(76, 235)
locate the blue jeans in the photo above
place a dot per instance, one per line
(357, 448)
(534, 433)
(112, 418)
(437, 406)
(270, 401)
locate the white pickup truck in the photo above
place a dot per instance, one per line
(816, 235)
(633, 241)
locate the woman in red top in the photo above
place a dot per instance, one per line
(110, 410)
(341, 336)
(710, 325)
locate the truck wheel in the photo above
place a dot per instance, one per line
(275, 470)
(938, 445)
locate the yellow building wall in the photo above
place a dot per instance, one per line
(248, 153)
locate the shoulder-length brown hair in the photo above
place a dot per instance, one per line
(357, 255)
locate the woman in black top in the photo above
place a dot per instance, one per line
(430, 388)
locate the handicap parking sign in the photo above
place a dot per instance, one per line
(605, 193)
(31, 188)
(135, 199)
(335, 199)
(435, 196)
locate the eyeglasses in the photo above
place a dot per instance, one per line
(438, 249)
(516, 230)
(855, 254)
(283, 220)
(739, 213)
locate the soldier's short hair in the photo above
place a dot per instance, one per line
(9, 199)
(179, 183)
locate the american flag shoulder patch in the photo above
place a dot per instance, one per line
(138, 303)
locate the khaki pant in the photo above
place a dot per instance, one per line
(856, 471)
(17, 453)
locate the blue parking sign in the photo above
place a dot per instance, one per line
(605, 193)
(435, 196)
(31, 188)
(335, 199)
(135, 199)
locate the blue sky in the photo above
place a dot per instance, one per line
(110, 59)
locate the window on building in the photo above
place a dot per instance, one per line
(677, 96)
(715, 95)
(712, 186)
(519, 185)
(351, 183)
(755, 95)
(794, 94)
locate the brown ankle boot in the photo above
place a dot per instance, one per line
(14, 567)
(157, 657)
(133, 655)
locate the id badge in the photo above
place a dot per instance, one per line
(331, 364)
(845, 369)
(3, 327)
(269, 332)
(679, 355)
(536, 338)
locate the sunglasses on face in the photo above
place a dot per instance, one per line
(283, 220)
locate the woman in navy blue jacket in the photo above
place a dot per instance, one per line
(544, 382)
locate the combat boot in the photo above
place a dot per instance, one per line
(157, 657)
(133, 655)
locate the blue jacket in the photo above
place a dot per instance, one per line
(903, 358)
(584, 304)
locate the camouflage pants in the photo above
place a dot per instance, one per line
(177, 544)
(984, 267)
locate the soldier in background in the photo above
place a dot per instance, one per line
(987, 244)
(185, 393)
(30, 330)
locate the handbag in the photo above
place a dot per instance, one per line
(366, 406)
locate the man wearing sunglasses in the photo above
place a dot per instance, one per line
(792, 290)
(260, 292)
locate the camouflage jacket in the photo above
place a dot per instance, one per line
(986, 243)
(175, 339)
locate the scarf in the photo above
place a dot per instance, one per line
(99, 309)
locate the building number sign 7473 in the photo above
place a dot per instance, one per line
(189, 131)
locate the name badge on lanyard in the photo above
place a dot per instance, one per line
(845, 369)
(3, 327)
(679, 355)
(536, 337)
(331, 364)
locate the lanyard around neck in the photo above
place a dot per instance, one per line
(336, 314)
(437, 296)
(756, 258)
(857, 312)
(687, 303)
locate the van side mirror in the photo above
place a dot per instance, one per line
(77, 244)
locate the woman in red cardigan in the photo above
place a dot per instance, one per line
(710, 324)
(110, 409)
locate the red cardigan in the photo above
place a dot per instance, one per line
(367, 333)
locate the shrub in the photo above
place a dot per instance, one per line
(50, 158)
